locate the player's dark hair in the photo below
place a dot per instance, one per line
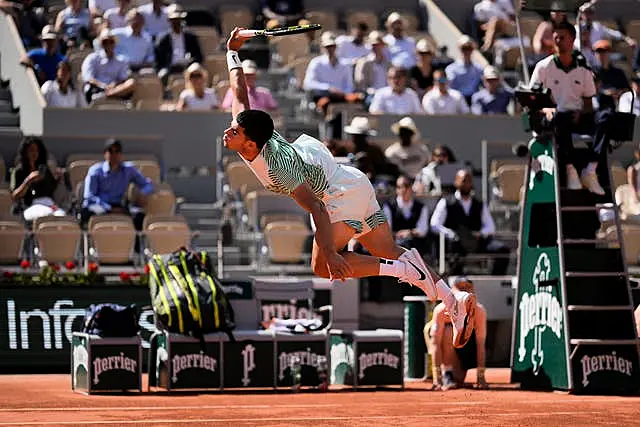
(565, 25)
(257, 125)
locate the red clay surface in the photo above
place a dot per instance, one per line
(48, 400)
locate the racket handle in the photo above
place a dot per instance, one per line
(248, 33)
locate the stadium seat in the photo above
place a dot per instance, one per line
(497, 163)
(3, 170)
(57, 238)
(633, 29)
(327, 18)
(209, 39)
(149, 168)
(267, 219)
(291, 48)
(216, 66)
(176, 87)
(286, 240)
(239, 174)
(112, 237)
(148, 88)
(261, 202)
(165, 234)
(76, 59)
(235, 16)
(510, 179)
(529, 25)
(77, 170)
(162, 201)
(108, 104)
(368, 17)
(12, 234)
(149, 104)
(5, 201)
(631, 241)
(299, 68)
(619, 176)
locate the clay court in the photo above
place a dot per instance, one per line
(48, 400)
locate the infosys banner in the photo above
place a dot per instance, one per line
(37, 322)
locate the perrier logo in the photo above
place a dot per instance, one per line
(539, 311)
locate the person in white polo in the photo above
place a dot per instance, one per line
(396, 98)
(442, 99)
(572, 86)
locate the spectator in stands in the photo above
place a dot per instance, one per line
(45, 60)
(197, 96)
(156, 20)
(599, 31)
(586, 49)
(285, 12)
(99, 7)
(401, 47)
(428, 180)
(134, 45)
(106, 75)
(260, 98)
(449, 364)
(494, 98)
(496, 18)
(369, 154)
(542, 43)
(613, 80)
(351, 48)
(32, 182)
(421, 75)
(442, 99)
(74, 24)
(409, 154)
(396, 98)
(371, 71)
(633, 174)
(61, 91)
(408, 217)
(106, 184)
(467, 225)
(328, 80)
(464, 75)
(29, 17)
(117, 17)
(177, 48)
(624, 104)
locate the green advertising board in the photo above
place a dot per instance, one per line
(540, 339)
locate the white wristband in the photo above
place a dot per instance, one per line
(233, 61)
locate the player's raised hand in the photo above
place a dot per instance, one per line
(235, 40)
(338, 267)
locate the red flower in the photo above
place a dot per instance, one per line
(8, 274)
(70, 265)
(136, 274)
(93, 267)
(124, 276)
(147, 269)
(24, 264)
(54, 267)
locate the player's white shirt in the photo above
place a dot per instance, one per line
(568, 85)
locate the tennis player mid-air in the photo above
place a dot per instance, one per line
(340, 199)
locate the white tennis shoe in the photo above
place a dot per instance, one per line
(418, 274)
(463, 317)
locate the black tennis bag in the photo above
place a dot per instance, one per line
(186, 295)
(112, 320)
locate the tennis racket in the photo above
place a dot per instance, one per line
(282, 31)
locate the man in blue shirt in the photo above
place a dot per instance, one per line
(106, 184)
(45, 60)
(493, 98)
(465, 76)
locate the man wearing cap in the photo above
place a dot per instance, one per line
(401, 47)
(327, 79)
(176, 49)
(409, 154)
(449, 365)
(599, 31)
(572, 86)
(494, 98)
(134, 45)
(441, 100)
(396, 98)
(106, 184)
(613, 80)
(371, 155)
(106, 75)
(371, 71)
(464, 75)
(45, 60)
(352, 47)
(408, 217)
(156, 21)
(260, 98)
(626, 98)
(421, 75)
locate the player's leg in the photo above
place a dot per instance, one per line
(450, 366)
(342, 234)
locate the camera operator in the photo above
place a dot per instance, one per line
(572, 86)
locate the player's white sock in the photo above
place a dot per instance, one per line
(591, 167)
(390, 267)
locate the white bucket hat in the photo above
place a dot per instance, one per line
(406, 123)
(360, 126)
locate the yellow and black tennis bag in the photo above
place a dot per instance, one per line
(186, 295)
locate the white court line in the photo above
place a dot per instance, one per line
(300, 419)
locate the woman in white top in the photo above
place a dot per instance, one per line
(60, 92)
(116, 17)
(197, 96)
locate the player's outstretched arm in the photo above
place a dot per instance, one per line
(236, 75)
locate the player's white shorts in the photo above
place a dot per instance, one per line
(352, 199)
